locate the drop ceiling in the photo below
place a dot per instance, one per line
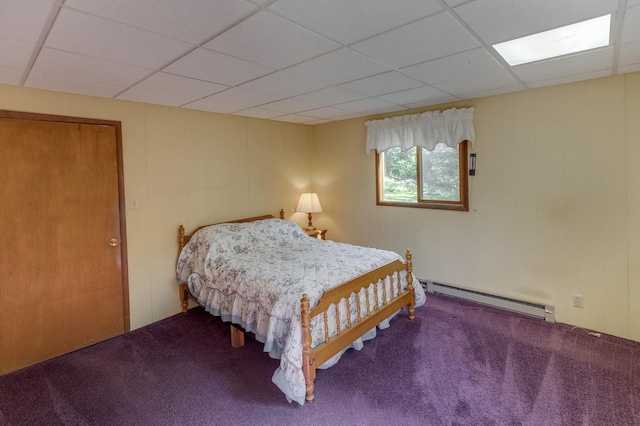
(301, 61)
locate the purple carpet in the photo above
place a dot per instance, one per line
(457, 364)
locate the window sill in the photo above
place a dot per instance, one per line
(437, 206)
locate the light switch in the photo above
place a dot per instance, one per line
(134, 202)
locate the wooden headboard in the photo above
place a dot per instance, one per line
(184, 239)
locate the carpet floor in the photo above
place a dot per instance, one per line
(458, 363)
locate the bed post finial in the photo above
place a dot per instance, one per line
(412, 303)
(282, 214)
(180, 238)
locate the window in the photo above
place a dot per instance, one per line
(417, 177)
(421, 159)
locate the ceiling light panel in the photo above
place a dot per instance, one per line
(574, 38)
(497, 21)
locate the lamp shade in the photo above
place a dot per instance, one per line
(309, 203)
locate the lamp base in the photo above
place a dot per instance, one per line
(310, 226)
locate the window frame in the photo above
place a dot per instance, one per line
(463, 173)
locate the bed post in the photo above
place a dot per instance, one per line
(412, 303)
(184, 288)
(282, 214)
(184, 296)
(180, 239)
(308, 368)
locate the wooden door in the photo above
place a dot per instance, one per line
(63, 285)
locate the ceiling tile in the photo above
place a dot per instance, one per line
(213, 106)
(112, 41)
(394, 108)
(281, 58)
(294, 118)
(62, 83)
(24, 20)
(289, 106)
(270, 40)
(494, 81)
(569, 79)
(318, 121)
(354, 20)
(629, 68)
(10, 75)
(168, 89)
(382, 83)
(193, 21)
(368, 104)
(326, 112)
(87, 68)
(425, 94)
(258, 113)
(629, 54)
(283, 84)
(216, 67)
(419, 42)
(452, 3)
(435, 102)
(329, 96)
(497, 21)
(630, 27)
(14, 53)
(338, 67)
(241, 97)
(461, 65)
(596, 60)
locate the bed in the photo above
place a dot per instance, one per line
(307, 300)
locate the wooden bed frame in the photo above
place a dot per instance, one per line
(376, 311)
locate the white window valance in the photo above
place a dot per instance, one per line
(427, 130)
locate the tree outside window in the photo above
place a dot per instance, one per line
(442, 182)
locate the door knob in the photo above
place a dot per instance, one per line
(113, 242)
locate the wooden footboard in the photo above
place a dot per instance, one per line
(377, 310)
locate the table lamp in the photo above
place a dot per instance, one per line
(309, 203)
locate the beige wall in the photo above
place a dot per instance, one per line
(555, 203)
(186, 167)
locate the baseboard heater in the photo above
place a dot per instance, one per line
(531, 309)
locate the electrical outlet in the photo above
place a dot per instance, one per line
(578, 300)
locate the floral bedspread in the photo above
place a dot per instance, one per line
(254, 274)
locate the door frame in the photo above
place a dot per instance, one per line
(17, 115)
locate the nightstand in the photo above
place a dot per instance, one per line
(317, 233)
